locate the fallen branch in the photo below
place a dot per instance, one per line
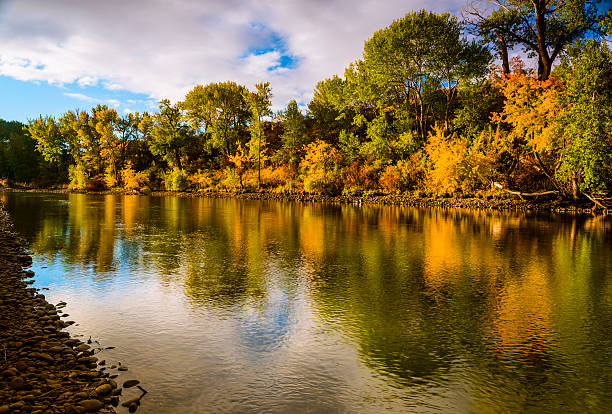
(521, 194)
(597, 203)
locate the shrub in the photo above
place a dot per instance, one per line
(110, 181)
(321, 168)
(133, 180)
(176, 180)
(79, 178)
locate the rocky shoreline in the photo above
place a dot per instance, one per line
(504, 203)
(43, 369)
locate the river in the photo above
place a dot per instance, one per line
(223, 305)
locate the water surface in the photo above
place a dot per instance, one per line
(258, 306)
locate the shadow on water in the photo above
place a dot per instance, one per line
(347, 308)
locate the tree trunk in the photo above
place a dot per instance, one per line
(178, 158)
(544, 61)
(503, 52)
(259, 164)
(575, 187)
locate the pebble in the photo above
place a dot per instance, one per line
(104, 389)
(130, 383)
(91, 405)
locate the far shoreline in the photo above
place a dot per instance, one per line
(540, 204)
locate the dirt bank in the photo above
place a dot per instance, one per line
(43, 369)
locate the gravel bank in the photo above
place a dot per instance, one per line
(43, 369)
(550, 204)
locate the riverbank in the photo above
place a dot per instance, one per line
(503, 202)
(43, 369)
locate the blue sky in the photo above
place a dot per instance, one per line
(67, 54)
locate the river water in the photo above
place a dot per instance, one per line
(279, 307)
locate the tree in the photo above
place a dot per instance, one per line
(220, 110)
(542, 27)
(170, 133)
(259, 105)
(293, 137)
(531, 109)
(50, 142)
(585, 121)
(416, 56)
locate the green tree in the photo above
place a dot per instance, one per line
(585, 121)
(259, 105)
(294, 134)
(543, 28)
(220, 110)
(416, 57)
(170, 133)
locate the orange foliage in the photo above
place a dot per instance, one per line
(530, 107)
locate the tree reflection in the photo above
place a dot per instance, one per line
(422, 294)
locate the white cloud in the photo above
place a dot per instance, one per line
(162, 48)
(80, 97)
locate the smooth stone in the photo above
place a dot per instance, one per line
(132, 401)
(17, 383)
(91, 405)
(130, 383)
(104, 389)
(122, 368)
(82, 347)
(4, 409)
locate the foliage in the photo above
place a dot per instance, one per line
(294, 135)
(421, 111)
(321, 168)
(542, 27)
(79, 177)
(585, 121)
(135, 180)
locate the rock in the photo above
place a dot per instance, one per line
(4, 409)
(104, 389)
(90, 405)
(17, 383)
(122, 368)
(130, 383)
(87, 360)
(46, 357)
(82, 347)
(130, 402)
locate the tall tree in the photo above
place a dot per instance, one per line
(259, 106)
(416, 55)
(170, 133)
(221, 110)
(542, 27)
(293, 138)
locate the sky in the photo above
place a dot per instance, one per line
(57, 55)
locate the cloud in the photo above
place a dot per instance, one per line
(80, 97)
(162, 48)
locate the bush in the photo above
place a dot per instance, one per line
(321, 168)
(176, 180)
(79, 178)
(110, 181)
(133, 180)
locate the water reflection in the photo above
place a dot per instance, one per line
(343, 308)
